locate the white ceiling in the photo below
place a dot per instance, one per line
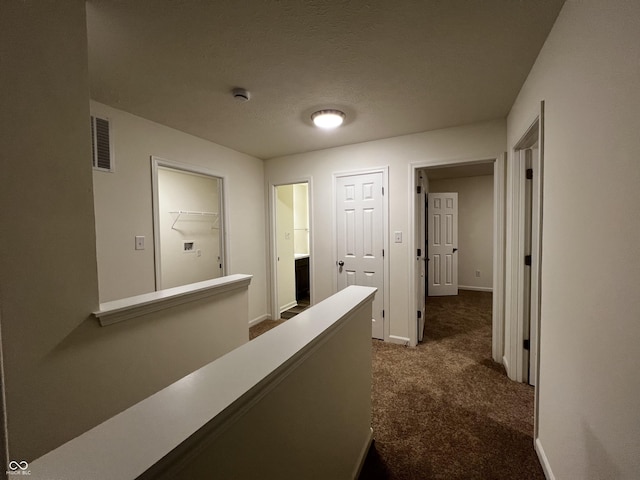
(394, 67)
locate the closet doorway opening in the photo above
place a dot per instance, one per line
(292, 250)
(188, 224)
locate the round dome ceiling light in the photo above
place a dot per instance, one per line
(328, 118)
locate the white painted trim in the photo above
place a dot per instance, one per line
(498, 188)
(544, 460)
(514, 267)
(161, 162)
(400, 340)
(385, 226)
(127, 308)
(498, 317)
(541, 144)
(505, 362)
(273, 253)
(363, 456)
(475, 289)
(260, 319)
(289, 305)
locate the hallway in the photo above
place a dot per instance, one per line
(445, 410)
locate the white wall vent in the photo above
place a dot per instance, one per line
(101, 147)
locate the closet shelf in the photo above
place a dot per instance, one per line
(180, 213)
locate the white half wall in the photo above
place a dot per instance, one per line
(123, 206)
(588, 392)
(474, 142)
(475, 227)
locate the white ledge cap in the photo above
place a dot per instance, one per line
(126, 308)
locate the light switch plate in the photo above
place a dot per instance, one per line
(140, 242)
(398, 237)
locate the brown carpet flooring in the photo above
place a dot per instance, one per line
(302, 305)
(445, 410)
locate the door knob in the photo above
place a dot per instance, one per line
(340, 263)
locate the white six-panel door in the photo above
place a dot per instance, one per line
(442, 233)
(360, 238)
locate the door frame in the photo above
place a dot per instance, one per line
(157, 162)
(385, 239)
(421, 272)
(498, 318)
(273, 242)
(514, 354)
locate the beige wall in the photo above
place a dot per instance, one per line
(587, 73)
(479, 141)
(123, 206)
(63, 372)
(301, 218)
(475, 227)
(48, 279)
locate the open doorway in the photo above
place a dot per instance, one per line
(188, 224)
(492, 269)
(292, 250)
(455, 231)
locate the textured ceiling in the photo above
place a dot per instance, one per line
(393, 67)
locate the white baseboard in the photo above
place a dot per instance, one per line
(544, 461)
(286, 307)
(363, 455)
(505, 362)
(399, 340)
(259, 319)
(475, 289)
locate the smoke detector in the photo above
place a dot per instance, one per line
(241, 94)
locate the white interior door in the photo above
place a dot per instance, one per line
(360, 238)
(421, 253)
(443, 244)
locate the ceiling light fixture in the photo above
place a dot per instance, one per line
(328, 118)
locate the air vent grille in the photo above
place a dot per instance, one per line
(101, 144)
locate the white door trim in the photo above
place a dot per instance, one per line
(514, 355)
(385, 225)
(499, 186)
(539, 224)
(273, 252)
(224, 202)
(498, 241)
